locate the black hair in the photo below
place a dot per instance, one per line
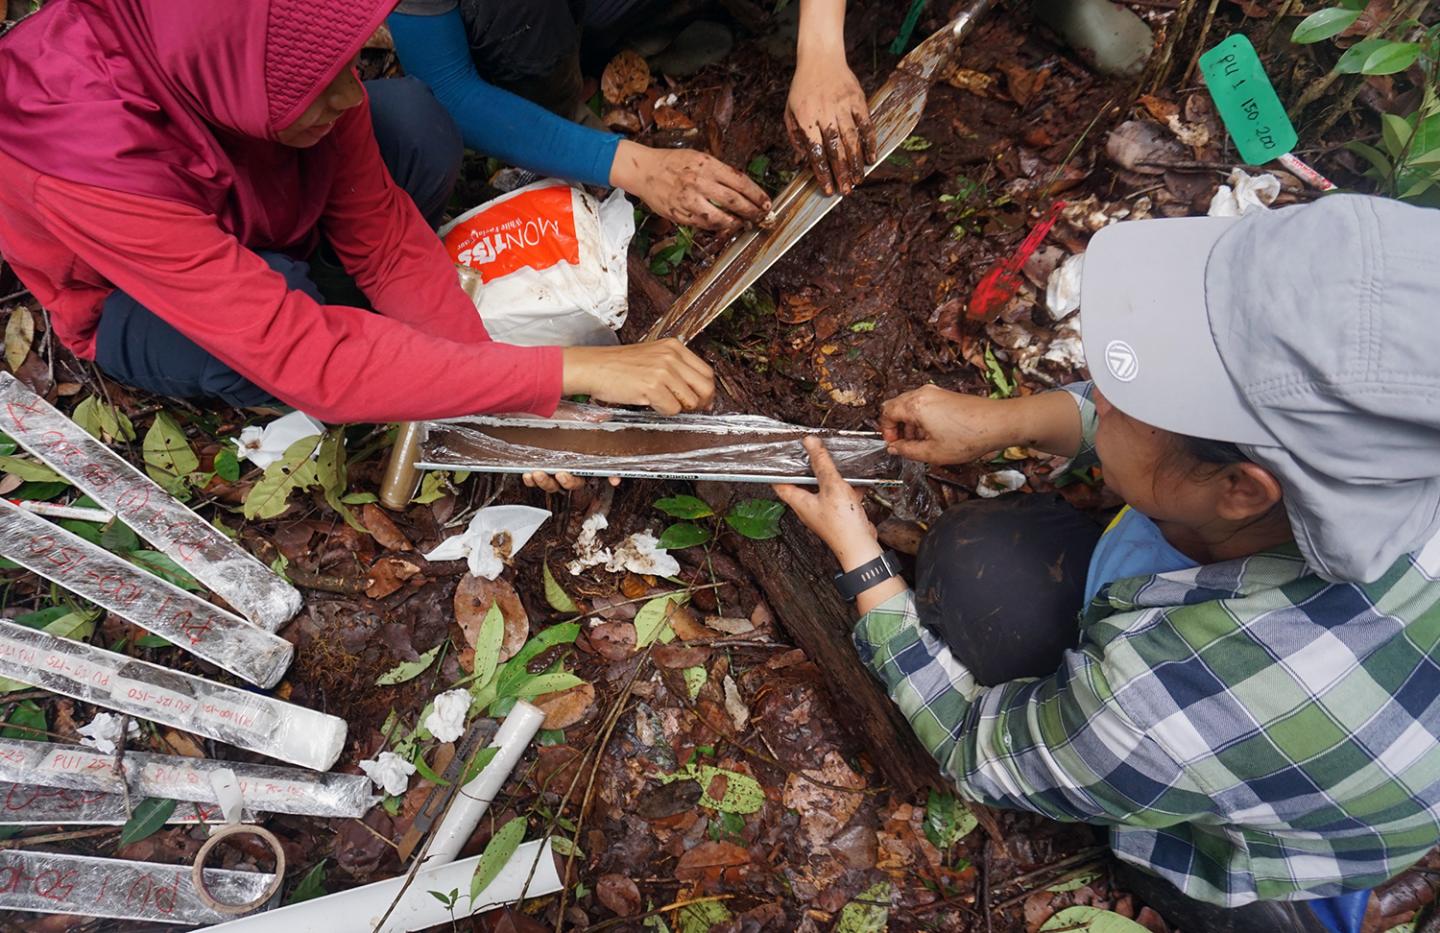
(1211, 453)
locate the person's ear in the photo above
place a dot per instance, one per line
(1248, 490)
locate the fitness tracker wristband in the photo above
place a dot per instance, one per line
(862, 578)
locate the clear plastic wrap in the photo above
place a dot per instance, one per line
(32, 805)
(266, 788)
(51, 883)
(227, 714)
(206, 631)
(589, 440)
(221, 564)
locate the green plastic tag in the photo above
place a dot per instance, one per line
(1247, 102)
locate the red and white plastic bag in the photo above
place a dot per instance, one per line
(545, 264)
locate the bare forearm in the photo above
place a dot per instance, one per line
(1048, 421)
(822, 29)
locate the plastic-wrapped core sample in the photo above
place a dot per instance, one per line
(227, 714)
(589, 440)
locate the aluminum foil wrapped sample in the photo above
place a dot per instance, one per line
(266, 788)
(50, 883)
(206, 631)
(33, 805)
(252, 588)
(589, 440)
(227, 714)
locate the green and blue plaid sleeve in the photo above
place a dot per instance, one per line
(1058, 746)
(1083, 393)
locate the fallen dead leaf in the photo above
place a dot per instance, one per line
(473, 598)
(619, 894)
(614, 641)
(625, 76)
(1039, 907)
(387, 575)
(620, 120)
(739, 712)
(729, 625)
(1136, 144)
(19, 334)
(567, 707)
(708, 856)
(668, 118)
(823, 810)
(968, 79)
(385, 531)
(797, 308)
(1161, 110)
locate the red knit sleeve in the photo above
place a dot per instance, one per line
(336, 363)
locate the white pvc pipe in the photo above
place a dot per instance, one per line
(79, 514)
(472, 800)
(360, 909)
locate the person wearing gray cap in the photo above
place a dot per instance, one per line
(1246, 688)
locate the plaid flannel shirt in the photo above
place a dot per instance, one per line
(1247, 729)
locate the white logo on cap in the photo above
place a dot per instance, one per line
(1120, 357)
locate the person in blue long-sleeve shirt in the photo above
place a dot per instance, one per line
(448, 44)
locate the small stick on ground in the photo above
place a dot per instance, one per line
(1200, 45)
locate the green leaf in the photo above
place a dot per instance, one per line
(422, 768)
(116, 536)
(869, 912)
(513, 672)
(564, 846)
(432, 486)
(497, 852)
(408, 671)
(360, 498)
(168, 456)
(1379, 162)
(73, 625)
(682, 535)
(702, 917)
(555, 594)
(947, 820)
(267, 499)
(757, 519)
(89, 531)
(40, 491)
(915, 144)
(1395, 133)
(31, 471)
(1074, 884)
(1391, 58)
(545, 683)
(652, 617)
(695, 678)
(1354, 57)
(166, 569)
(1004, 385)
(743, 793)
(479, 763)
(1323, 24)
(146, 819)
(42, 617)
(311, 886)
(27, 721)
(487, 644)
(684, 507)
(333, 476)
(227, 465)
(1090, 920)
(102, 421)
(152, 641)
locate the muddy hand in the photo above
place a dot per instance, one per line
(688, 187)
(828, 121)
(935, 426)
(663, 374)
(836, 513)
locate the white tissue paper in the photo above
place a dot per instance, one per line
(447, 715)
(263, 446)
(1245, 194)
(1062, 290)
(103, 732)
(390, 772)
(639, 553)
(993, 485)
(514, 525)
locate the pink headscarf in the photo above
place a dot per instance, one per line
(181, 99)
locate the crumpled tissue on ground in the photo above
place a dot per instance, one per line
(1000, 482)
(103, 732)
(1062, 290)
(640, 553)
(494, 535)
(390, 772)
(263, 446)
(1245, 194)
(447, 715)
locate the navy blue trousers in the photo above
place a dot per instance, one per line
(422, 148)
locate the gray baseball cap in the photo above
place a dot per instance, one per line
(1310, 336)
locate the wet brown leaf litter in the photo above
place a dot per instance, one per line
(703, 758)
